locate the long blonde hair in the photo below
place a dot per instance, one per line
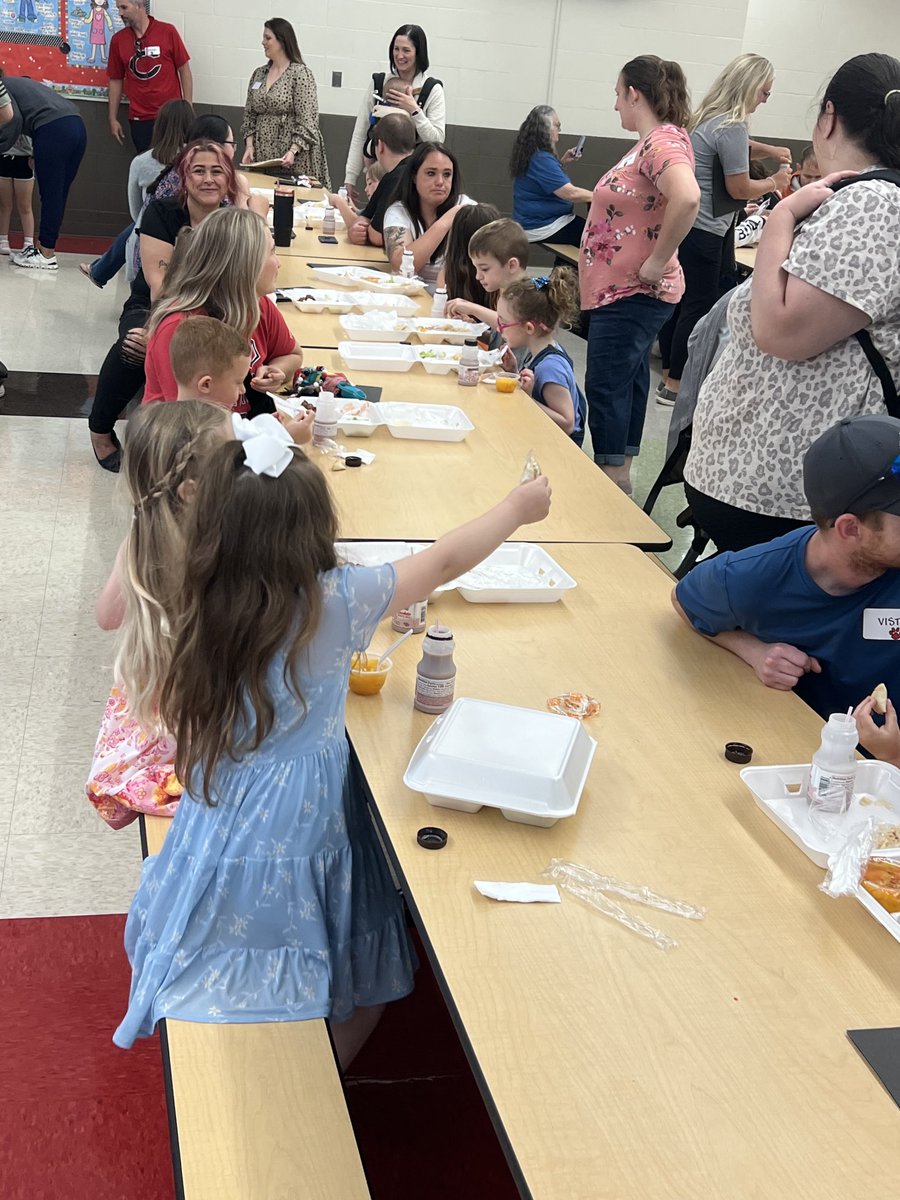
(734, 91)
(167, 444)
(215, 267)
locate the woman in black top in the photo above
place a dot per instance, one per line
(207, 182)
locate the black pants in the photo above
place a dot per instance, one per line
(732, 528)
(701, 256)
(569, 235)
(141, 134)
(120, 379)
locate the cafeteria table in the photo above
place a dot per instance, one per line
(614, 1069)
(417, 490)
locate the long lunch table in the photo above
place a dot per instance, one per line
(416, 490)
(613, 1069)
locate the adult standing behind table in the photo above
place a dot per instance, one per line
(826, 271)
(149, 62)
(58, 138)
(281, 115)
(544, 197)
(722, 148)
(628, 265)
(411, 89)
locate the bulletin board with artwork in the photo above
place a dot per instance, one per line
(61, 42)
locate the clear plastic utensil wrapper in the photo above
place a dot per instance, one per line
(590, 887)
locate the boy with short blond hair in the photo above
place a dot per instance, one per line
(499, 254)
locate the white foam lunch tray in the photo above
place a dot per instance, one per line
(366, 277)
(516, 573)
(781, 794)
(377, 356)
(531, 765)
(438, 360)
(434, 330)
(356, 418)
(403, 306)
(377, 325)
(316, 300)
(374, 554)
(426, 422)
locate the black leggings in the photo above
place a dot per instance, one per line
(732, 528)
(700, 254)
(120, 378)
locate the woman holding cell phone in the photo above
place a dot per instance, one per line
(544, 197)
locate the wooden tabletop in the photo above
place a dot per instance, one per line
(746, 256)
(259, 179)
(417, 490)
(324, 330)
(616, 1070)
(569, 253)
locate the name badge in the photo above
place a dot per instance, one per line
(151, 51)
(256, 86)
(881, 624)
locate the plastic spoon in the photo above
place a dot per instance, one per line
(392, 646)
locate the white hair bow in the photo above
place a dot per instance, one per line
(267, 444)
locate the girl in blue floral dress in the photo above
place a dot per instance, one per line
(270, 899)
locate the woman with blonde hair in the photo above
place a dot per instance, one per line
(722, 153)
(224, 269)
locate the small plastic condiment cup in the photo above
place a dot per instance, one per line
(369, 682)
(506, 381)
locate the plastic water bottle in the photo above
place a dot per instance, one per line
(325, 421)
(408, 266)
(832, 774)
(468, 364)
(439, 304)
(328, 222)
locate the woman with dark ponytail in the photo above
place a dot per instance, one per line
(628, 267)
(808, 329)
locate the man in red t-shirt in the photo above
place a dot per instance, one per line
(149, 62)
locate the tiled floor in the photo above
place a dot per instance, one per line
(61, 520)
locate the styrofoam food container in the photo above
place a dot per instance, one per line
(372, 554)
(438, 360)
(358, 418)
(378, 325)
(516, 573)
(531, 765)
(367, 277)
(426, 422)
(434, 330)
(376, 356)
(316, 300)
(402, 306)
(313, 211)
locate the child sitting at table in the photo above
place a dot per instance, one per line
(133, 769)
(499, 256)
(459, 271)
(271, 899)
(373, 176)
(529, 313)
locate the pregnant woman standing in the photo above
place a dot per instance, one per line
(281, 116)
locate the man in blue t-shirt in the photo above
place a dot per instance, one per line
(818, 610)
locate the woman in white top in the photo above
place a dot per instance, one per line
(421, 216)
(826, 271)
(408, 57)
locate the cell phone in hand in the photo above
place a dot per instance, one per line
(327, 241)
(579, 147)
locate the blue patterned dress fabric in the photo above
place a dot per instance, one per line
(276, 904)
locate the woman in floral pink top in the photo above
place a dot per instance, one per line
(628, 266)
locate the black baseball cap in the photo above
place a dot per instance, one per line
(854, 467)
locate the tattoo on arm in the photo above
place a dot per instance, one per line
(395, 238)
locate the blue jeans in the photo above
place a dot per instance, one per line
(618, 373)
(111, 263)
(58, 150)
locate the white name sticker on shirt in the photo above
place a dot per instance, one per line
(881, 624)
(151, 51)
(256, 86)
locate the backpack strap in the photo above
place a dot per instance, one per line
(378, 83)
(427, 88)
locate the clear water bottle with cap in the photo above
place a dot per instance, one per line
(468, 364)
(325, 421)
(328, 222)
(436, 671)
(832, 774)
(408, 265)
(439, 303)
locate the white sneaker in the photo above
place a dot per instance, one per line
(4, 246)
(30, 257)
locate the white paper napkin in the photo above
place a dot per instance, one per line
(523, 893)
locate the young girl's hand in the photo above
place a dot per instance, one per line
(300, 427)
(508, 360)
(460, 309)
(881, 740)
(526, 380)
(532, 500)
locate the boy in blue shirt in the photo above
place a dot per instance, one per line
(818, 610)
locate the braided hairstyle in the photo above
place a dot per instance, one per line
(167, 445)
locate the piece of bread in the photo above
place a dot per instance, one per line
(879, 695)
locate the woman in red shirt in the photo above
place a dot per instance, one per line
(224, 269)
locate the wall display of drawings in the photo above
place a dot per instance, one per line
(64, 43)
